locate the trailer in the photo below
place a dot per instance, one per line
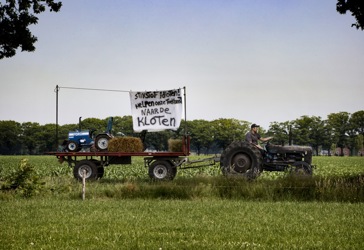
(160, 165)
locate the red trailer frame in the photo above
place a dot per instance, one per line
(161, 165)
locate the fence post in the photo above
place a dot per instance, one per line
(83, 184)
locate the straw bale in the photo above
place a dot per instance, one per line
(175, 145)
(126, 144)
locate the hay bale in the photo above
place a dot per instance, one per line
(175, 145)
(126, 144)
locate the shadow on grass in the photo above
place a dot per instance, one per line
(286, 188)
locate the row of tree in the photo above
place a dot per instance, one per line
(343, 130)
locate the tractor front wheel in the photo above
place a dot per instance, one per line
(72, 146)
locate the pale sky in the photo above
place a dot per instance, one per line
(260, 61)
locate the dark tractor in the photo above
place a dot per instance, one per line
(243, 158)
(86, 140)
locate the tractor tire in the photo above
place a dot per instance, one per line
(100, 168)
(100, 172)
(102, 142)
(308, 158)
(72, 146)
(89, 166)
(300, 169)
(241, 158)
(162, 170)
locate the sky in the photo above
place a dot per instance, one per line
(259, 61)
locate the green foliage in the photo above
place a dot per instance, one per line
(23, 180)
(15, 17)
(356, 7)
(340, 129)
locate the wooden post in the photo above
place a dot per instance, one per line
(83, 184)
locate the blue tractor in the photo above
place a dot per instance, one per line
(86, 140)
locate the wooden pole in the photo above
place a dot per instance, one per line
(83, 184)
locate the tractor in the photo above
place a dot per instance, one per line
(86, 140)
(245, 159)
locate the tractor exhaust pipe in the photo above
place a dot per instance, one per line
(79, 123)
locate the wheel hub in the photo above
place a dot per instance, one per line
(241, 163)
(160, 171)
(87, 169)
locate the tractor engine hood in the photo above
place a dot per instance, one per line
(288, 149)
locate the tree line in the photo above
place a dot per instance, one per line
(339, 130)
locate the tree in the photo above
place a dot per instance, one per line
(15, 17)
(280, 131)
(356, 7)
(339, 122)
(201, 135)
(310, 131)
(30, 130)
(226, 131)
(9, 137)
(357, 119)
(357, 125)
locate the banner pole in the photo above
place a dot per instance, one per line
(184, 93)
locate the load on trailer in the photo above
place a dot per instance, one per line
(85, 139)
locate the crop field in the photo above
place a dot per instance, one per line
(41, 208)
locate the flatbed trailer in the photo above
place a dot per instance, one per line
(161, 165)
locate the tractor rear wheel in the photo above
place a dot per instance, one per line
(300, 168)
(241, 158)
(102, 142)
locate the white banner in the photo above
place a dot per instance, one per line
(156, 110)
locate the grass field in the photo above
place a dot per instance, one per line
(199, 209)
(176, 224)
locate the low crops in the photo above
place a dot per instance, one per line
(335, 179)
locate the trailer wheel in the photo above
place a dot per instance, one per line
(100, 172)
(72, 146)
(100, 169)
(300, 168)
(89, 166)
(162, 170)
(102, 142)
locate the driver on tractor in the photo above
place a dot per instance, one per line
(253, 137)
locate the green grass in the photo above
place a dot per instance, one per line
(336, 179)
(176, 224)
(199, 209)
(49, 166)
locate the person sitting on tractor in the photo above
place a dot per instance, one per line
(253, 137)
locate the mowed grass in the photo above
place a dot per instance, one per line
(179, 224)
(199, 209)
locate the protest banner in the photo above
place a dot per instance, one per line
(156, 110)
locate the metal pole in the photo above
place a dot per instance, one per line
(57, 90)
(184, 93)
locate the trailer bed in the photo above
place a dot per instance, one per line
(119, 154)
